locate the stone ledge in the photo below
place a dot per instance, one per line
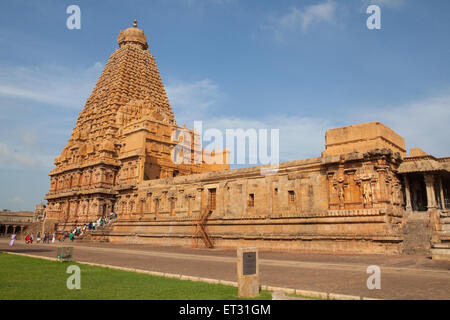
(149, 217)
(440, 252)
(337, 296)
(268, 237)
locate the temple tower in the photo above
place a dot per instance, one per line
(123, 135)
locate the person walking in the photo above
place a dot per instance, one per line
(13, 239)
(53, 237)
(38, 237)
(27, 238)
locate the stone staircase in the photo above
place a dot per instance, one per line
(417, 234)
(99, 234)
(37, 227)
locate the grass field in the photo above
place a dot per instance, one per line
(32, 278)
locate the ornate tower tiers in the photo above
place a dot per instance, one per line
(122, 136)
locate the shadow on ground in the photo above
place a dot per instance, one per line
(34, 250)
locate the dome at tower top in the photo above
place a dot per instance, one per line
(133, 35)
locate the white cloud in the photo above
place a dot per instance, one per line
(300, 137)
(204, 2)
(17, 157)
(302, 19)
(15, 200)
(48, 84)
(423, 123)
(189, 99)
(29, 137)
(8, 156)
(394, 4)
(324, 12)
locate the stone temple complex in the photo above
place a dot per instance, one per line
(363, 194)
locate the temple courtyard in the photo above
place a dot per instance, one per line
(402, 276)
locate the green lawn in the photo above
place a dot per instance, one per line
(32, 278)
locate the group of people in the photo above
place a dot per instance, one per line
(100, 222)
(29, 238)
(77, 232)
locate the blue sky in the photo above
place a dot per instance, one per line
(300, 66)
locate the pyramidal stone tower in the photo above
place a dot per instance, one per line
(122, 136)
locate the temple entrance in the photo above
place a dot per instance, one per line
(416, 230)
(418, 190)
(212, 199)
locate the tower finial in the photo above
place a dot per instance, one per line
(135, 23)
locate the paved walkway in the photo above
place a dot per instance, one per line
(402, 277)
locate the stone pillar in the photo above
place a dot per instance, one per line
(156, 206)
(102, 176)
(141, 206)
(189, 212)
(407, 193)
(6, 229)
(201, 205)
(91, 173)
(429, 181)
(21, 229)
(441, 190)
